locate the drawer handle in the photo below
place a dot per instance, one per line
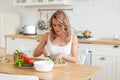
(13, 38)
(90, 51)
(116, 46)
(102, 58)
(38, 40)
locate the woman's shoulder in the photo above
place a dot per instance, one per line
(74, 38)
(46, 34)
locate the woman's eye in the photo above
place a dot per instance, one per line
(59, 25)
(54, 25)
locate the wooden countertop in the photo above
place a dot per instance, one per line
(68, 72)
(36, 37)
(108, 41)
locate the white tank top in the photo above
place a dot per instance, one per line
(54, 49)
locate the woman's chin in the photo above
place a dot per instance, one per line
(59, 33)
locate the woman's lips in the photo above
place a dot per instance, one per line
(57, 31)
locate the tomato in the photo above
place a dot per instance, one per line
(25, 58)
(29, 60)
(21, 56)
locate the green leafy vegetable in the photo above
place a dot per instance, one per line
(19, 62)
(61, 62)
(51, 59)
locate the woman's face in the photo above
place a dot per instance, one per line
(57, 26)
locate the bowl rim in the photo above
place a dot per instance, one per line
(43, 62)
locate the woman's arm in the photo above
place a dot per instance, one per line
(40, 47)
(74, 52)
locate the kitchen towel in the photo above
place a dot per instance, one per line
(17, 77)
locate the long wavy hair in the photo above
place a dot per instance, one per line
(61, 16)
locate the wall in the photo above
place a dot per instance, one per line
(102, 17)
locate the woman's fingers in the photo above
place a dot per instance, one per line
(46, 52)
(58, 58)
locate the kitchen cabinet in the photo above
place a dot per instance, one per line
(118, 69)
(107, 65)
(42, 2)
(25, 45)
(106, 57)
(20, 2)
(9, 24)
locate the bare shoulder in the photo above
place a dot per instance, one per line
(45, 36)
(74, 39)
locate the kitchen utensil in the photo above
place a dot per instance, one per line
(41, 23)
(43, 65)
(86, 33)
(116, 37)
(47, 26)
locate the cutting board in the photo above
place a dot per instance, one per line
(17, 77)
(64, 64)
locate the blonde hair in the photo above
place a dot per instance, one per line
(61, 16)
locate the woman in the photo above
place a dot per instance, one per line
(61, 44)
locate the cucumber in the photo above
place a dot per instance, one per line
(27, 65)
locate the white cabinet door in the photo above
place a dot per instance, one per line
(105, 56)
(108, 67)
(25, 45)
(9, 24)
(28, 46)
(12, 44)
(118, 68)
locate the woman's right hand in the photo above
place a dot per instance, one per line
(46, 52)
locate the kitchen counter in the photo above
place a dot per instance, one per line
(68, 72)
(108, 41)
(36, 37)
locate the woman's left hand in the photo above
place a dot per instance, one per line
(58, 58)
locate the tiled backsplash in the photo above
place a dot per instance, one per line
(101, 17)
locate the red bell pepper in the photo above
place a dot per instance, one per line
(29, 60)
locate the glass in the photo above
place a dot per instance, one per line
(116, 36)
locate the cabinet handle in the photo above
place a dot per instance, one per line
(90, 51)
(116, 46)
(13, 38)
(102, 58)
(38, 40)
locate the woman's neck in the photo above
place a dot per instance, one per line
(62, 36)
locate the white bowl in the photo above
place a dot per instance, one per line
(43, 66)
